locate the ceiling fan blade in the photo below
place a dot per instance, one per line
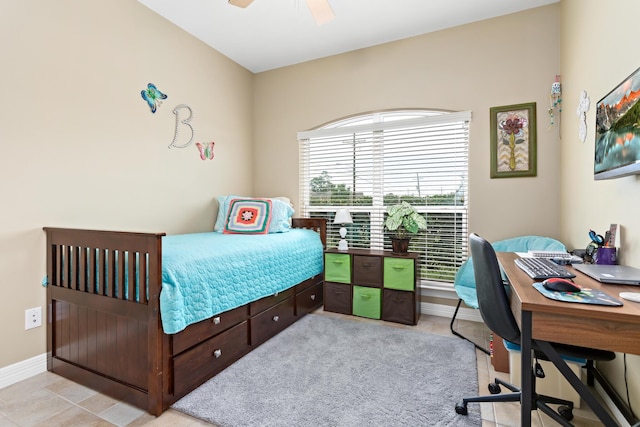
(240, 3)
(321, 11)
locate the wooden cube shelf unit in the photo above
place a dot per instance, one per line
(372, 283)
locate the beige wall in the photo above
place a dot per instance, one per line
(503, 61)
(80, 148)
(598, 52)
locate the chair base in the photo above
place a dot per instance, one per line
(562, 416)
(458, 334)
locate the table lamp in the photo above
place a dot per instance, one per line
(343, 217)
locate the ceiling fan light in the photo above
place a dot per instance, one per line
(321, 11)
(240, 3)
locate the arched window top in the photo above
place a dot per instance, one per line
(386, 120)
(382, 116)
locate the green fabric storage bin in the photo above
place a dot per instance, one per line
(337, 268)
(399, 273)
(366, 302)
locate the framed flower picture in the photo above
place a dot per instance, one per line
(513, 141)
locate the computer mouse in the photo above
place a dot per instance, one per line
(561, 285)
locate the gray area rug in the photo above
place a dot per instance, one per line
(325, 371)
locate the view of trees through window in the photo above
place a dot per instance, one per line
(365, 169)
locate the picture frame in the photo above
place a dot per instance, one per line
(513, 141)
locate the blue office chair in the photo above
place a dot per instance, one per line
(465, 284)
(494, 307)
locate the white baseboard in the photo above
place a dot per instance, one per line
(447, 311)
(22, 370)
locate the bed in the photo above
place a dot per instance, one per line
(105, 327)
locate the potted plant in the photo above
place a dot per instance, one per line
(404, 220)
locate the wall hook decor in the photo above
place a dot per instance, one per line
(581, 111)
(555, 103)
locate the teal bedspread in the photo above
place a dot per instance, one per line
(204, 274)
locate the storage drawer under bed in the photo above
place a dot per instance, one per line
(210, 357)
(309, 299)
(208, 328)
(271, 321)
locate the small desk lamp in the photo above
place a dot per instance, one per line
(343, 217)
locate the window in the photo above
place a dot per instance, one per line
(369, 162)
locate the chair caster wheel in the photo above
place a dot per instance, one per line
(566, 412)
(461, 409)
(494, 388)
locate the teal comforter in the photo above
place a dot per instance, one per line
(204, 274)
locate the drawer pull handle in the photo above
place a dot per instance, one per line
(216, 320)
(365, 297)
(276, 318)
(398, 267)
(313, 297)
(217, 353)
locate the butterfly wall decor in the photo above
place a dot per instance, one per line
(206, 150)
(153, 96)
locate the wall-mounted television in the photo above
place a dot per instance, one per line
(617, 147)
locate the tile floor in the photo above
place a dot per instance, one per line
(49, 400)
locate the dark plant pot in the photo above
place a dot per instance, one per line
(400, 246)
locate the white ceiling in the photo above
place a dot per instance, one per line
(274, 33)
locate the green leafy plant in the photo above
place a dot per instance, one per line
(404, 219)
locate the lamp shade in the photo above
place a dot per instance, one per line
(342, 217)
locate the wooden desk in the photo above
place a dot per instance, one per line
(593, 326)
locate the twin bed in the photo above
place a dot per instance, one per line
(135, 316)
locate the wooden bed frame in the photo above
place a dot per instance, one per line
(109, 337)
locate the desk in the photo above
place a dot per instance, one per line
(593, 326)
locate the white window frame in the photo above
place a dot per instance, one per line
(374, 124)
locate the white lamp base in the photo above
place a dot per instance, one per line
(342, 244)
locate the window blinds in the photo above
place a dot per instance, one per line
(368, 163)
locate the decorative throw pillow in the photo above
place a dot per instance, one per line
(281, 213)
(223, 211)
(248, 216)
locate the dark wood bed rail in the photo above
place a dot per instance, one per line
(99, 281)
(104, 329)
(317, 224)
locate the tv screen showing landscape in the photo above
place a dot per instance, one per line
(617, 146)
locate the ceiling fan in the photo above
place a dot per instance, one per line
(320, 9)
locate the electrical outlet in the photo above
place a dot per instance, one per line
(32, 318)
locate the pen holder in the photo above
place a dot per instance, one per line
(606, 255)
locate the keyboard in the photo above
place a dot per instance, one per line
(550, 254)
(542, 268)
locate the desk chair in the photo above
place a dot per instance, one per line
(465, 285)
(493, 303)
